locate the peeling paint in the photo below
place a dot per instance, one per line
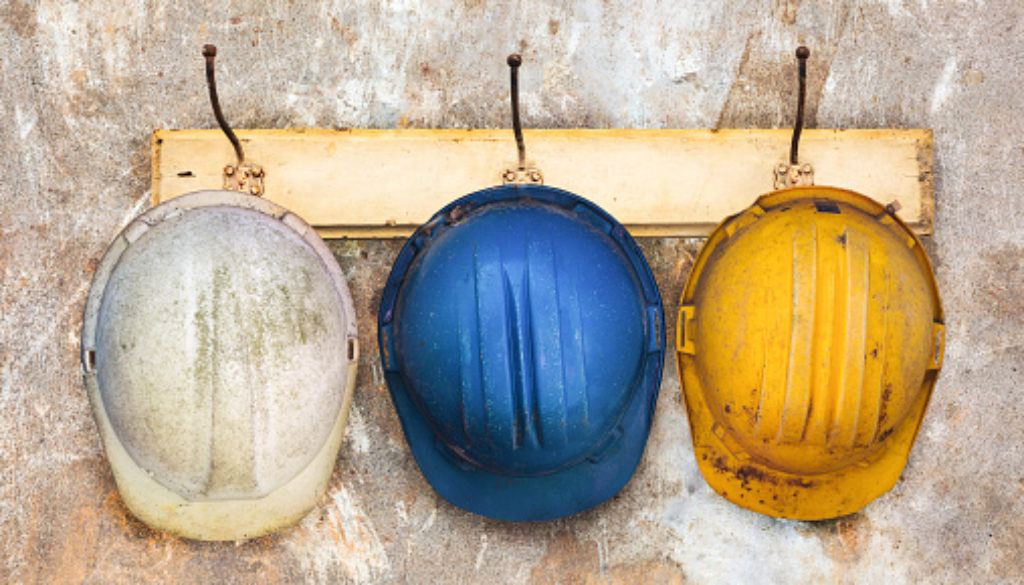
(944, 86)
(356, 431)
(339, 542)
(480, 555)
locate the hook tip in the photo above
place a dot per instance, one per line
(802, 52)
(514, 60)
(209, 50)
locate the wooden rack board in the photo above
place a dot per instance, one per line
(385, 183)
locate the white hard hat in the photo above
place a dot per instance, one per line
(219, 351)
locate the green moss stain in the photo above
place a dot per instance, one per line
(267, 322)
(250, 323)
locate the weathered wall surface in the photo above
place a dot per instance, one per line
(85, 83)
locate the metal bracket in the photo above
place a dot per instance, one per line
(247, 178)
(529, 176)
(800, 175)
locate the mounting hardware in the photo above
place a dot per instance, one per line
(796, 174)
(242, 176)
(522, 173)
(793, 175)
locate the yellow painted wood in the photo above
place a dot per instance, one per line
(384, 183)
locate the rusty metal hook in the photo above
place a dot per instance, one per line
(802, 53)
(247, 178)
(795, 174)
(520, 174)
(514, 61)
(210, 52)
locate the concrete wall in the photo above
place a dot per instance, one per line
(85, 83)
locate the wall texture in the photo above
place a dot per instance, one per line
(85, 83)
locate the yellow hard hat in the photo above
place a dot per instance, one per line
(809, 339)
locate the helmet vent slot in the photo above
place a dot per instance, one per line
(826, 207)
(90, 361)
(657, 333)
(654, 317)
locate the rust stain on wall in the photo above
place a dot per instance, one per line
(844, 539)
(21, 16)
(1002, 281)
(568, 561)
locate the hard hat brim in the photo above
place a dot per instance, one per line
(536, 498)
(762, 489)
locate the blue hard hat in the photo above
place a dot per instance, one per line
(522, 338)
